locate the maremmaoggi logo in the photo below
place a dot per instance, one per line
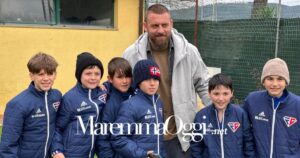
(190, 131)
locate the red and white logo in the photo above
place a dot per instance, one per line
(154, 71)
(56, 105)
(289, 121)
(102, 98)
(234, 126)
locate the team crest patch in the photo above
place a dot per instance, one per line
(154, 71)
(102, 98)
(56, 105)
(289, 121)
(234, 126)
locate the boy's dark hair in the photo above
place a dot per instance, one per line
(220, 80)
(42, 61)
(157, 9)
(120, 65)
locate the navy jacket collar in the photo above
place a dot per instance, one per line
(85, 91)
(36, 92)
(149, 98)
(124, 95)
(228, 109)
(283, 101)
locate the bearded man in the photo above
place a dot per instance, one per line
(183, 75)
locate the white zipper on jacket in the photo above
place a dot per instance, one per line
(48, 124)
(156, 117)
(97, 115)
(273, 127)
(221, 133)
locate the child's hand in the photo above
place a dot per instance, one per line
(102, 87)
(59, 155)
(149, 153)
(152, 155)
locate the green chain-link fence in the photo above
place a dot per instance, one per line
(240, 48)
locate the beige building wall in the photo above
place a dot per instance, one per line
(18, 44)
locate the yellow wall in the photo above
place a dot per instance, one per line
(18, 44)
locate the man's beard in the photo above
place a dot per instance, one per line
(158, 44)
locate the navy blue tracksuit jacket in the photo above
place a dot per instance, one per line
(236, 140)
(276, 130)
(29, 122)
(140, 109)
(70, 138)
(110, 113)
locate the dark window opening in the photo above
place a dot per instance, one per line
(53, 12)
(87, 12)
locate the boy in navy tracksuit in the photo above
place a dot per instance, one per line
(275, 113)
(145, 108)
(118, 90)
(29, 118)
(228, 132)
(80, 110)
